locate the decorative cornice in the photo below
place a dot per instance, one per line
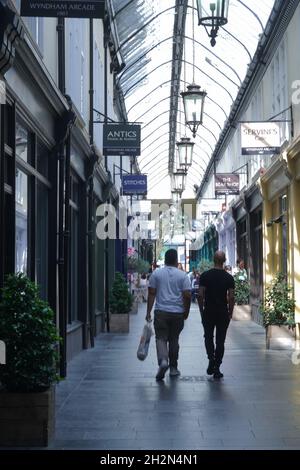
(293, 151)
(11, 33)
(278, 165)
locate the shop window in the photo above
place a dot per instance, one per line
(242, 240)
(41, 261)
(8, 173)
(31, 204)
(21, 143)
(21, 263)
(257, 254)
(284, 233)
(74, 251)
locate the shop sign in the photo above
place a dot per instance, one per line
(63, 8)
(210, 206)
(227, 184)
(134, 184)
(122, 139)
(260, 138)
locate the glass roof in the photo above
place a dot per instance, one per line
(146, 34)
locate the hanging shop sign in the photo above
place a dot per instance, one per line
(63, 8)
(260, 138)
(210, 206)
(134, 184)
(122, 139)
(227, 184)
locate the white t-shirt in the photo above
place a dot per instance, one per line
(169, 283)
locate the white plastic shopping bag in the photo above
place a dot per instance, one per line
(143, 348)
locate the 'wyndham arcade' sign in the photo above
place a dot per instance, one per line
(63, 8)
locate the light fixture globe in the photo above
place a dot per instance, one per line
(185, 152)
(212, 14)
(179, 181)
(193, 103)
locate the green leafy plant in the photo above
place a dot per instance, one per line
(28, 330)
(278, 307)
(205, 265)
(241, 291)
(120, 299)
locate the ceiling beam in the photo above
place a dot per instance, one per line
(177, 55)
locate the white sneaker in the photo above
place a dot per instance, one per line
(174, 372)
(162, 370)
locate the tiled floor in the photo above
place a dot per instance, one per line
(111, 400)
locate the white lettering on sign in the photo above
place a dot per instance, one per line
(48, 6)
(122, 135)
(62, 6)
(135, 183)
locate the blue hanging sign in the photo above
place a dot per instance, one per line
(134, 184)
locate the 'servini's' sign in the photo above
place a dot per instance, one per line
(63, 8)
(260, 138)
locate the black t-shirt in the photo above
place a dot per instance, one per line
(217, 282)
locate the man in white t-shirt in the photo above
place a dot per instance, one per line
(171, 288)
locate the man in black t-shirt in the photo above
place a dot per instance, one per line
(216, 303)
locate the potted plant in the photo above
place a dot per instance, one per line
(27, 396)
(120, 305)
(242, 309)
(278, 311)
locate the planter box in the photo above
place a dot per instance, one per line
(27, 419)
(280, 337)
(134, 308)
(241, 312)
(119, 323)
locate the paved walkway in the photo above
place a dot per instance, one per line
(111, 400)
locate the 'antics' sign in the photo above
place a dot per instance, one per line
(122, 139)
(63, 8)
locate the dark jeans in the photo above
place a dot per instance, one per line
(168, 327)
(220, 323)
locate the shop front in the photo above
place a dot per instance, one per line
(253, 203)
(294, 223)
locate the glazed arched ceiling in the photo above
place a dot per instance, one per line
(149, 34)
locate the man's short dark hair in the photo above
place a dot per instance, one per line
(171, 258)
